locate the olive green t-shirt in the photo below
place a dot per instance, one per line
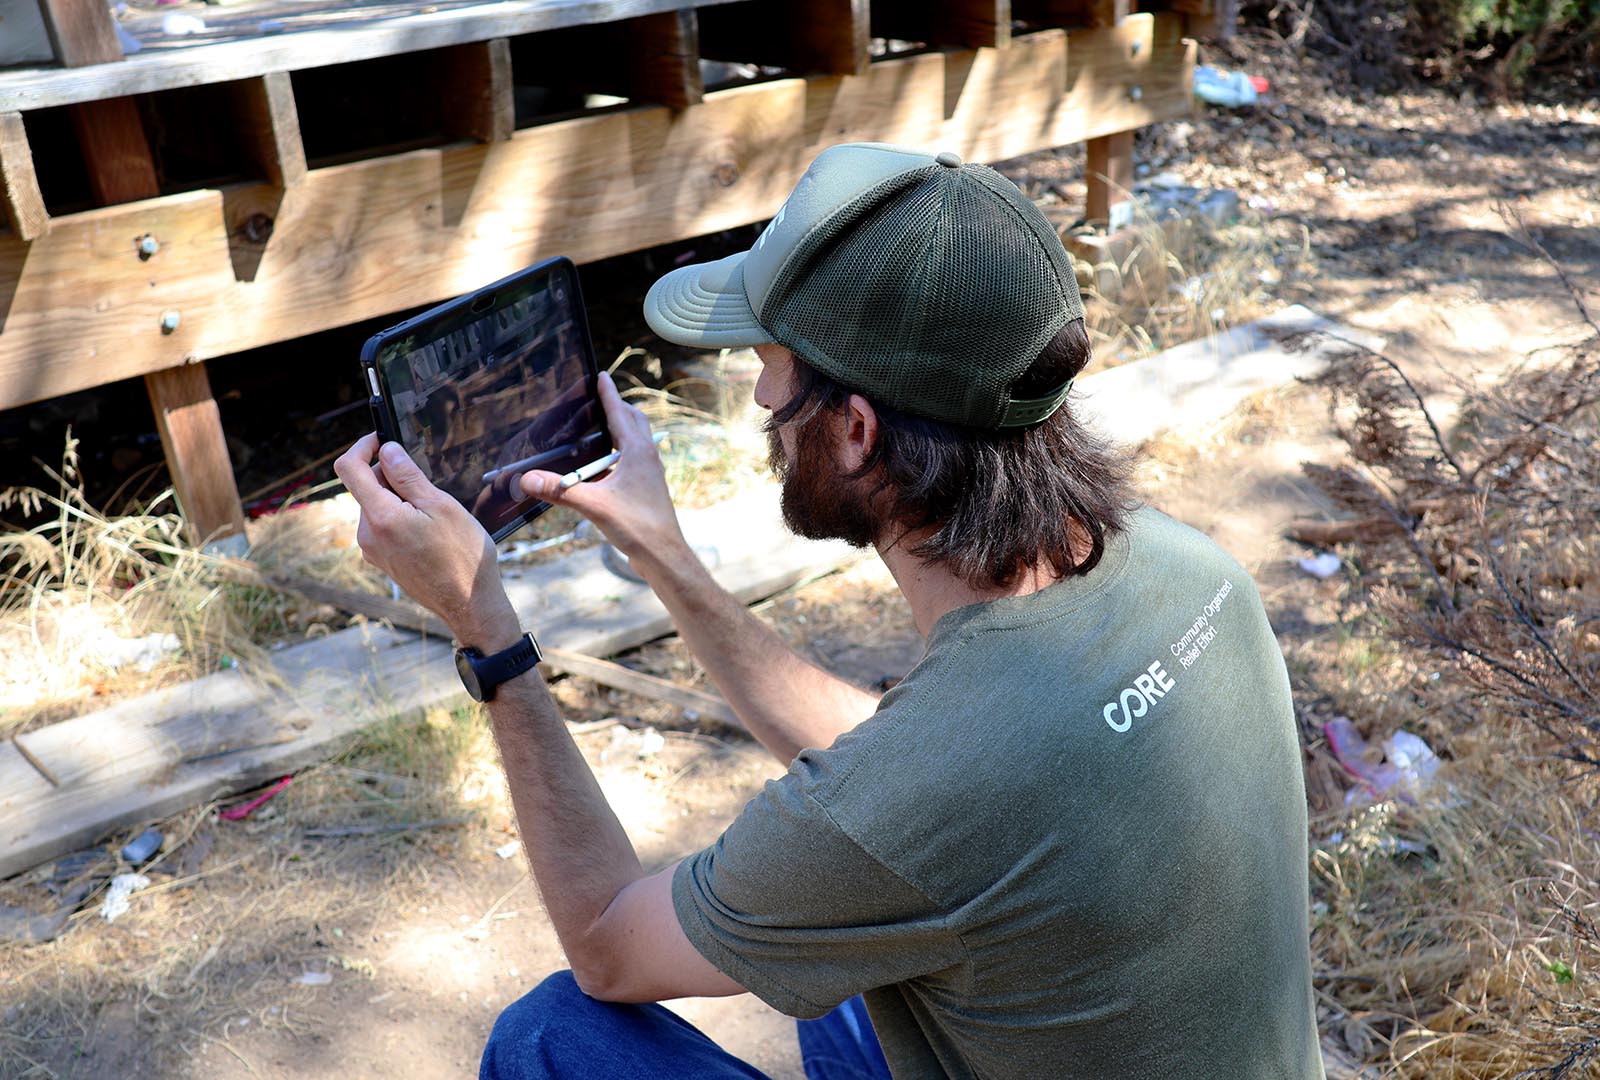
(1072, 843)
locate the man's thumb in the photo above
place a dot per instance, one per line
(402, 473)
(540, 484)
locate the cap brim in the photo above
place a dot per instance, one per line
(705, 304)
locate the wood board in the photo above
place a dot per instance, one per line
(81, 309)
(154, 755)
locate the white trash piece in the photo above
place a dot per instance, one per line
(117, 893)
(1230, 89)
(315, 978)
(177, 24)
(1324, 565)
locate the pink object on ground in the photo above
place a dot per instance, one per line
(244, 810)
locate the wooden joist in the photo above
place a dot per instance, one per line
(829, 37)
(19, 185)
(435, 223)
(651, 60)
(971, 24)
(1091, 13)
(479, 104)
(269, 126)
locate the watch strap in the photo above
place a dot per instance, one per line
(504, 665)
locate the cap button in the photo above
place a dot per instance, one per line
(948, 158)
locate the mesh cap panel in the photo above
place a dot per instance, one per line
(931, 292)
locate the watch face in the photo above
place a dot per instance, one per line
(469, 678)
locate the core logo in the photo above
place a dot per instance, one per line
(1136, 700)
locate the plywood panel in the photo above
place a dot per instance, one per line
(81, 31)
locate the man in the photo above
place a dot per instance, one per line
(1071, 843)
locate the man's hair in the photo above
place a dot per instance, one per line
(998, 502)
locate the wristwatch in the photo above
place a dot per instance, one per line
(482, 675)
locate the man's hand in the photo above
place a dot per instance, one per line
(630, 504)
(429, 544)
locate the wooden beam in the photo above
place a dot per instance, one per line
(1109, 173)
(197, 453)
(82, 32)
(802, 36)
(268, 124)
(19, 184)
(121, 170)
(477, 102)
(435, 223)
(970, 24)
(654, 59)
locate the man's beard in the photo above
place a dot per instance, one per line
(819, 502)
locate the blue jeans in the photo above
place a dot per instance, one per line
(558, 1031)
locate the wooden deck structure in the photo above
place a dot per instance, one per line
(295, 167)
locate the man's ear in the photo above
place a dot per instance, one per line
(860, 433)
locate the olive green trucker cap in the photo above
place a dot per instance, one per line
(923, 282)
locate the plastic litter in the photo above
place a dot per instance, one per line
(1230, 89)
(315, 978)
(142, 846)
(239, 813)
(509, 849)
(122, 886)
(178, 24)
(1324, 565)
(129, 43)
(1406, 771)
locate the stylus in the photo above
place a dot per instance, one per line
(540, 459)
(600, 465)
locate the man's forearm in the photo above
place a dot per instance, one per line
(785, 702)
(579, 854)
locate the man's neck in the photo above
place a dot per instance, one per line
(932, 590)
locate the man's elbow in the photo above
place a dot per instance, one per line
(599, 969)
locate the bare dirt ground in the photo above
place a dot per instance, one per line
(426, 933)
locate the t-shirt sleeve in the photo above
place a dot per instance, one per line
(795, 911)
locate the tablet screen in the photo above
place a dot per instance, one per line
(490, 381)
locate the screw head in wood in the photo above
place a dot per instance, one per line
(170, 321)
(148, 246)
(1135, 93)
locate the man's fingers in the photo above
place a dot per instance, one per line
(404, 476)
(354, 469)
(627, 424)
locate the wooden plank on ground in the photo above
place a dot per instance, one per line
(19, 184)
(477, 100)
(436, 223)
(269, 126)
(970, 24)
(253, 54)
(82, 31)
(226, 732)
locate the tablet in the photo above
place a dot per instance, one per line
(504, 376)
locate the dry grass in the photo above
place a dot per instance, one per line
(1164, 281)
(1475, 621)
